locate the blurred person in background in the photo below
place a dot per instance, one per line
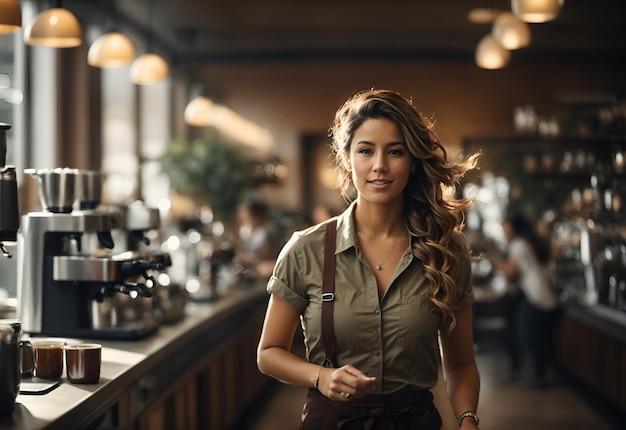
(401, 281)
(530, 306)
(259, 240)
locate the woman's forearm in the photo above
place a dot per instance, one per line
(287, 367)
(463, 385)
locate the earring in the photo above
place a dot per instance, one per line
(413, 169)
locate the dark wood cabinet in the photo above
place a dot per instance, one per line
(217, 389)
(599, 360)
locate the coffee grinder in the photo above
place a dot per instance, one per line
(9, 213)
(66, 267)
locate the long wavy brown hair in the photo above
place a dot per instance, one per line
(433, 205)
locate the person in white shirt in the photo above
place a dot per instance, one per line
(532, 307)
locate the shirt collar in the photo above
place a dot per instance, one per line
(346, 233)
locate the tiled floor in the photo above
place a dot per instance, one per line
(504, 405)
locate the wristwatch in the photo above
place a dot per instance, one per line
(467, 414)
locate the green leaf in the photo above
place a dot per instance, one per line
(210, 171)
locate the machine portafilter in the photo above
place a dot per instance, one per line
(133, 268)
(9, 213)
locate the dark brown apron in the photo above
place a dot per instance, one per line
(412, 410)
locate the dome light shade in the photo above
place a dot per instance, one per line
(56, 27)
(537, 10)
(111, 50)
(483, 15)
(148, 69)
(198, 111)
(10, 16)
(490, 54)
(510, 31)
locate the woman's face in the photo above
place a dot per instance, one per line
(380, 161)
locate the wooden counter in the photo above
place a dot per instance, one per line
(198, 373)
(591, 344)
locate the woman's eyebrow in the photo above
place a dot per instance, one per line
(367, 142)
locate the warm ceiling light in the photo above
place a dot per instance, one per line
(10, 16)
(148, 69)
(56, 27)
(537, 10)
(490, 54)
(482, 15)
(239, 129)
(510, 31)
(198, 111)
(111, 50)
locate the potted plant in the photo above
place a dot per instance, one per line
(209, 171)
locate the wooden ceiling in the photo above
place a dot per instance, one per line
(214, 31)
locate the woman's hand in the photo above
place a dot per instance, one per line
(345, 383)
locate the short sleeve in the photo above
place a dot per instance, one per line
(463, 282)
(286, 281)
(463, 277)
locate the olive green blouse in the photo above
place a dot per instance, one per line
(395, 338)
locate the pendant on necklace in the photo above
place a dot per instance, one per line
(379, 266)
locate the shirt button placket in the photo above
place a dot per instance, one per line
(376, 356)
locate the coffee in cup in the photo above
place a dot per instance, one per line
(49, 358)
(83, 362)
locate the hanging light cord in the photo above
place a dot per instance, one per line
(150, 18)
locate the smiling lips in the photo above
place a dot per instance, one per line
(380, 183)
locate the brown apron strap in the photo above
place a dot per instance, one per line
(328, 294)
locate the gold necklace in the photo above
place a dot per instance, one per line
(379, 266)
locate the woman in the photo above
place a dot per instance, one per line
(530, 305)
(401, 279)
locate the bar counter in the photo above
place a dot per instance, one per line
(197, 373)
(591, 344)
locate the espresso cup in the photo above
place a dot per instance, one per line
(83, 362)
(48, 357)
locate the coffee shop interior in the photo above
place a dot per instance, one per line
(139, 135)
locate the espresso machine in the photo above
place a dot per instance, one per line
(9, 214)
(67, 272)
(140, 237)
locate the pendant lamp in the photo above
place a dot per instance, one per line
(150, 67)
(198, 111)
(56, 27)
(510, 31)
(490, 54)
(483, 15)
(112, 49)
(537, 10)
(10, 16)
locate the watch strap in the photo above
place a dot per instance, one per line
(468, 414)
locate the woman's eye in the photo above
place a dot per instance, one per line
(365, 151)
(396, 152)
